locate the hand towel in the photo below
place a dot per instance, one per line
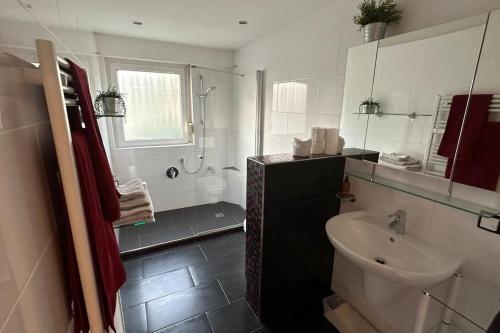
(484, 168)
(105, 183)
(477, 116)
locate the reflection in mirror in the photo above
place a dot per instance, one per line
(478, 159)
(403, 111)
(416, 77)
(357, 89)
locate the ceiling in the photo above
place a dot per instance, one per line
(211, 23)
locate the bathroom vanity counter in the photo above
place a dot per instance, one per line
(289, 257)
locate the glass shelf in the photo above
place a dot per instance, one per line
(412, 116)
(465, 206)
(474, 305)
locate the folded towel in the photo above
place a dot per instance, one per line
(396, 156)
(317, 134)
(132, 219)
(411, 167)
(410, 161)
(131, 189)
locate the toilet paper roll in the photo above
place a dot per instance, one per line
(317, 134)
(317, 147)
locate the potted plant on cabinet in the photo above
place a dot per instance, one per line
(110, 102)
(374, 17)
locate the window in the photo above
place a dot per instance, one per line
(156, 101)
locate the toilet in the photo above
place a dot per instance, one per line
(213, 188)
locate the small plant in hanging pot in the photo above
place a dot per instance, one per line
(374, 17)
(369, 106)
(110, 102)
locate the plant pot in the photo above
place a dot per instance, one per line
(111, 105)
(374, 31)
(369, 108)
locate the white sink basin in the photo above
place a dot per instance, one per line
(402, 261)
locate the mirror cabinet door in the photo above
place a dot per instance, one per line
(478, 159)
(416, 76)
(358, 85)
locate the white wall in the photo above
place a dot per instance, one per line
(313, 50)
(151, 163)
(32, 284)
(148, 163)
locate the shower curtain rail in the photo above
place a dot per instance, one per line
(217, 70)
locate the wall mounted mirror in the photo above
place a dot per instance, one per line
(402, 112)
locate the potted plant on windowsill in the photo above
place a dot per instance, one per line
(110, 102)
(374, 17)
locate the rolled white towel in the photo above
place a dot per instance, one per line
(131, 189)
(331, 141)
(317, 134)
(331, 134)
(301, 147)
(317, 147)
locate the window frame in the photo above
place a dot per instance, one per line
(113, 65)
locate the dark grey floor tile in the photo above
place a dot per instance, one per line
(144, 229)
(130, 243)
(174, 259)
(167, 235)
(156, 286)
(234, 286)
(235, 317)
(183, 305)
(133, 269)
(135, 319)
(198, 324)
(221, 246)
(217, 268)
(210, 223)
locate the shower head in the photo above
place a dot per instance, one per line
(209, 89)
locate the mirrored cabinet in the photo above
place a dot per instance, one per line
(429, 102)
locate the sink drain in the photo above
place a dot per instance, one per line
(380, 260)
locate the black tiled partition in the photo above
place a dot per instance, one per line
(289, 258)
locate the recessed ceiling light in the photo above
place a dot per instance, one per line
(136, 22)
(242, 22)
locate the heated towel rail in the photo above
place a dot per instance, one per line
(59, 96)
(435, 164)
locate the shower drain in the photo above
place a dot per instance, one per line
(380, 260)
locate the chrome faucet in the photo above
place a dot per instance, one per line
(399, 222)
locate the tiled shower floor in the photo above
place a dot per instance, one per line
(181, 223)
(199, 288)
